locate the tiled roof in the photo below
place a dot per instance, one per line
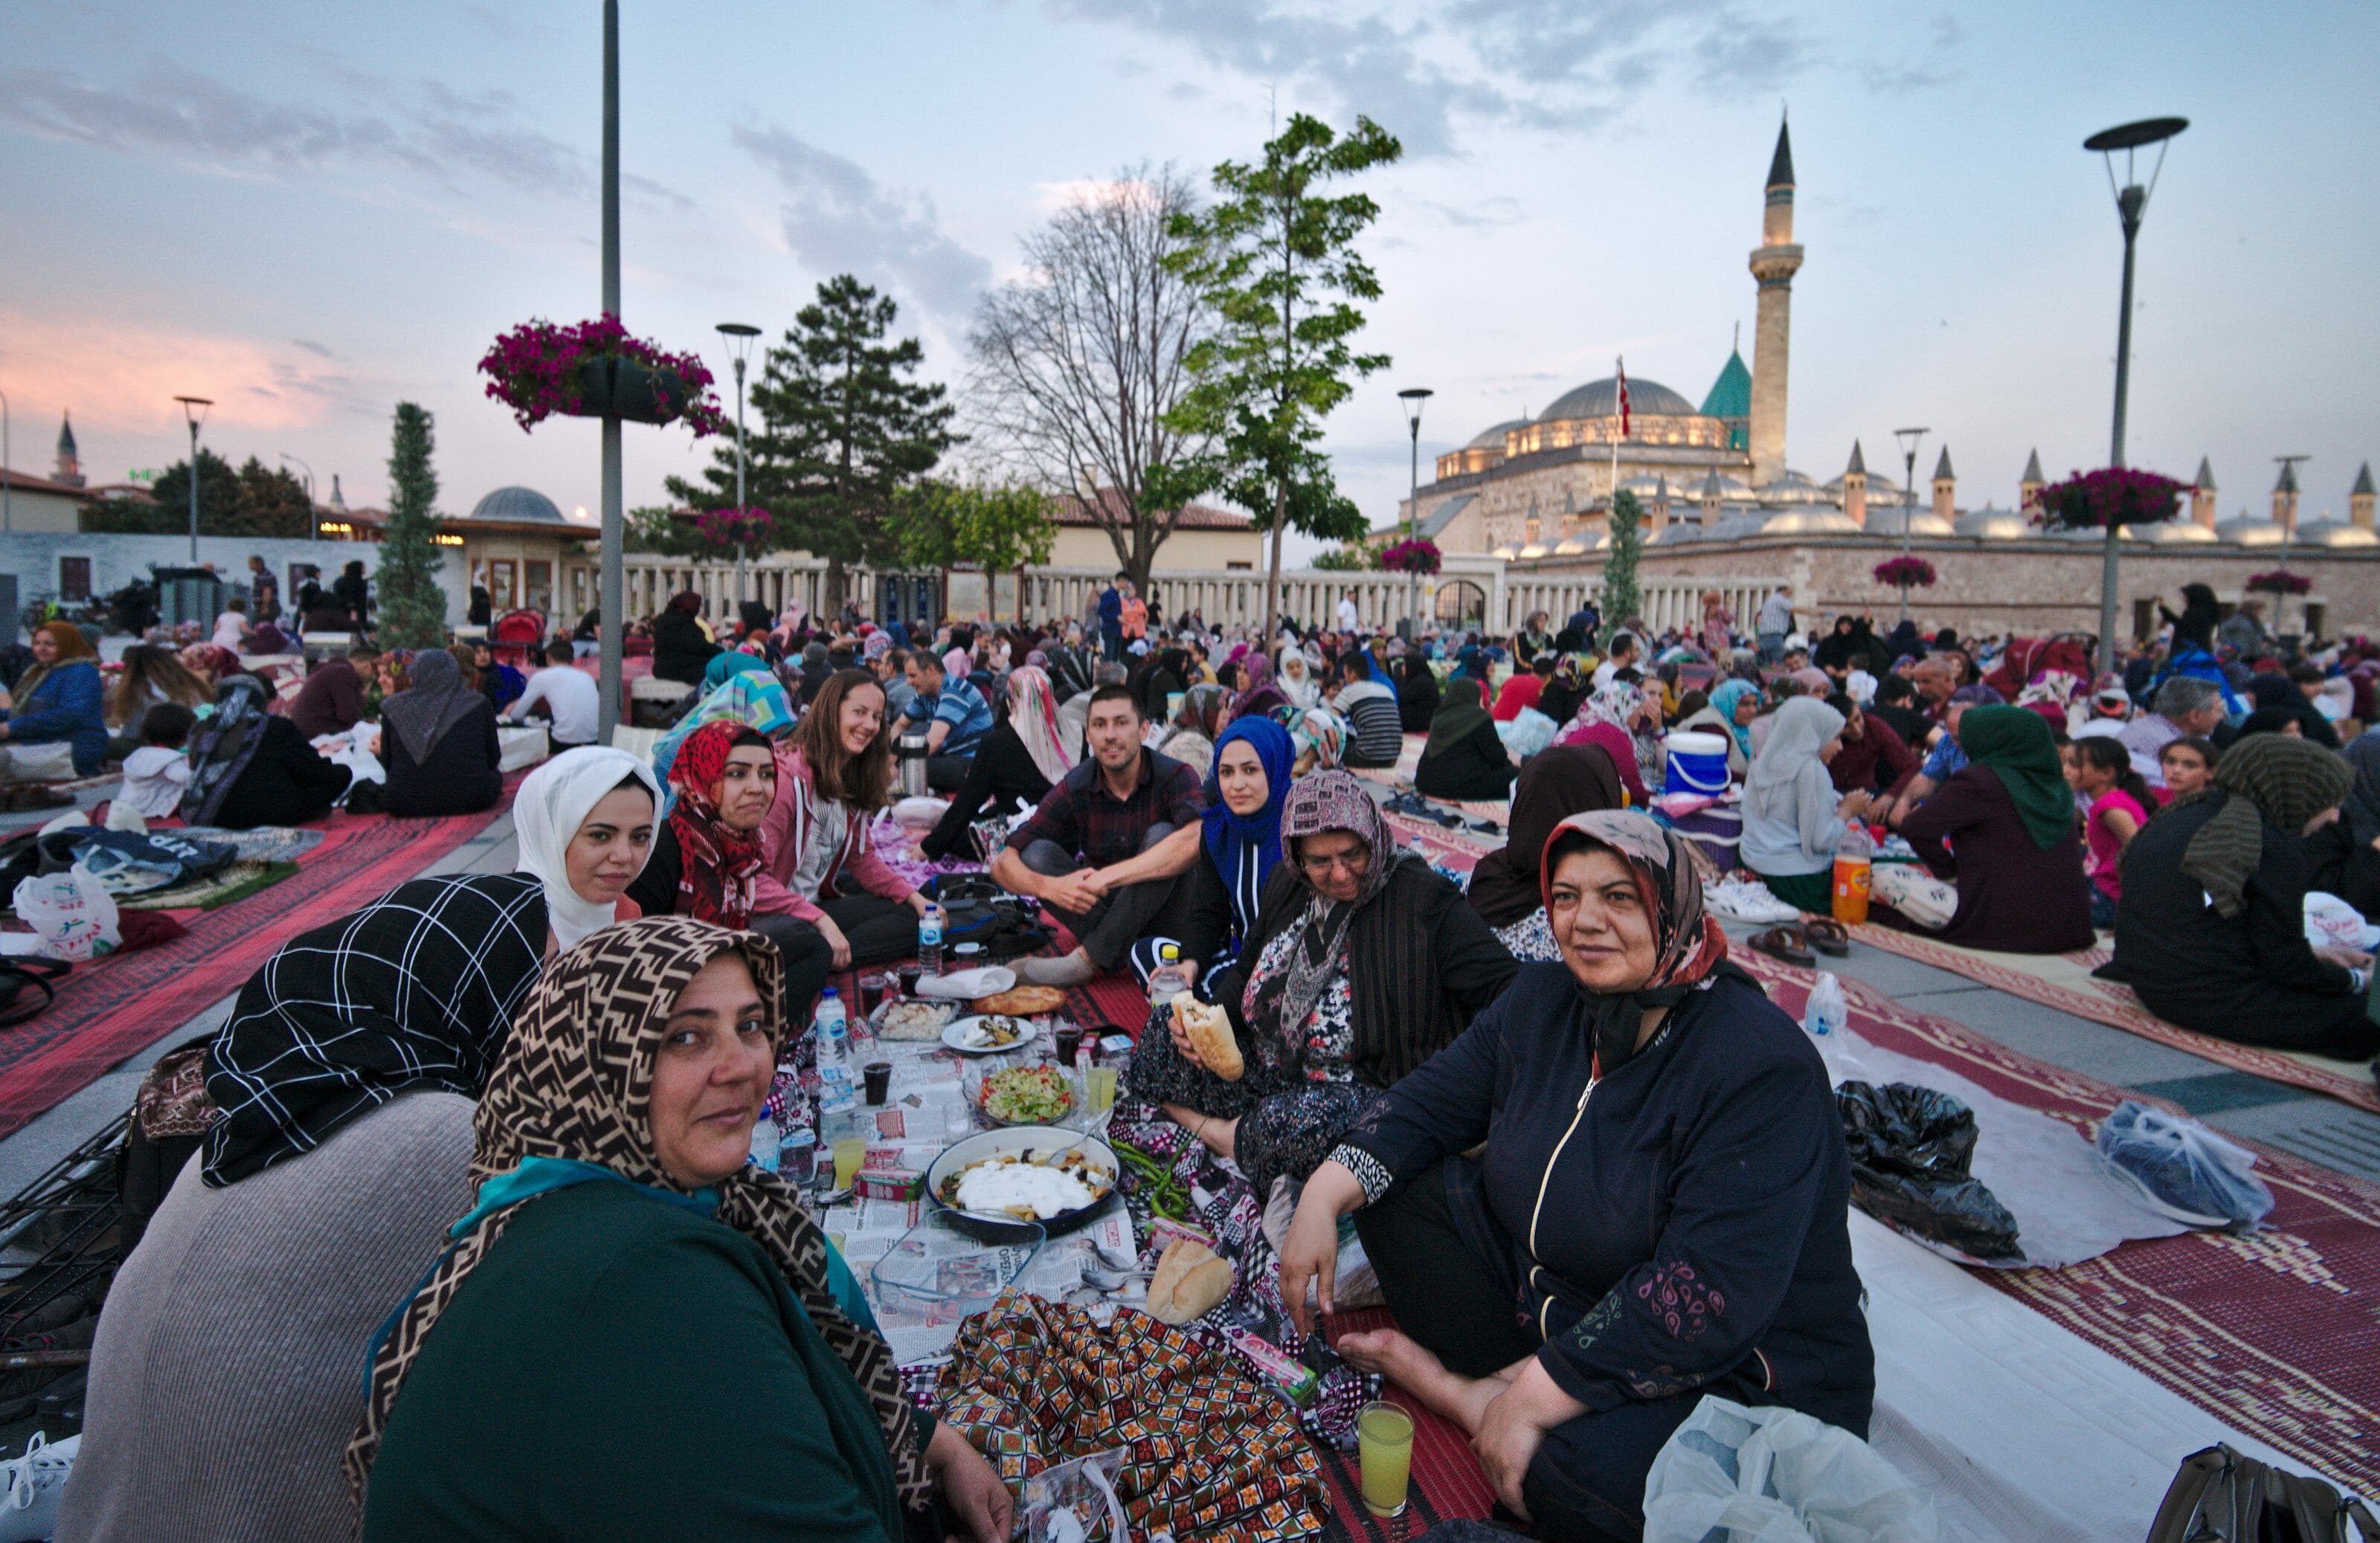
(1070, 509)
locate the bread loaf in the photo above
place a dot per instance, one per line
(1209, 1029)
(1191, 1280)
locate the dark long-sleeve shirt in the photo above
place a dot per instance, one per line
(2013, 895)
(1879, 761)
(1476, 766)
(330, 702)
(285, 784)
(1004, 775)
(680, 650)
(1688, 1215)
(460, 777)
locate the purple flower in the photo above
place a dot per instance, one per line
(534, 369)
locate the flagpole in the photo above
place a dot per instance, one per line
(1620, 379)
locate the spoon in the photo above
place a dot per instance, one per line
(1112, 1280)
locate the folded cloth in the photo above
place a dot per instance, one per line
(967, 985)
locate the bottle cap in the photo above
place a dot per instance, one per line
(830, 991)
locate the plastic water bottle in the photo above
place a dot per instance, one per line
(929, 941)
(1854, 866)
(833, 1032)
(764, 1143)
(1826, 1011)
(1169, 979)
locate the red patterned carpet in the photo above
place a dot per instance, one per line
(114, 1008)
(2271, 1333)
(1445, 1480)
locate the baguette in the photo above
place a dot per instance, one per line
(1209, 1029)
(1191, 1280)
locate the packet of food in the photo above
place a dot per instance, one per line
(1075, 1503)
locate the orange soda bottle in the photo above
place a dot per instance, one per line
(1854, 860)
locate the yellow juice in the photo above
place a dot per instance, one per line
(1102, 1088)
(848, 1154)
(1384, 1446)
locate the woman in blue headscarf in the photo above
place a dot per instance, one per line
(1240, 846)
(1733, 704)
(753, 697)
(733, 662)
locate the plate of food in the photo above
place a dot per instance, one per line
(1001, 1182)
(1033, 1094)
(906, 1020)
(1022, 1001)
(987, 1034)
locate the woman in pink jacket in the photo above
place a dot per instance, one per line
(820, 868)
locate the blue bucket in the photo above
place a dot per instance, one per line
(1697, 763)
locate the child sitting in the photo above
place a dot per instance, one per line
(2101, 769)
(155, 775)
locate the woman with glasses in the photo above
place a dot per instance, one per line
(1363, 962)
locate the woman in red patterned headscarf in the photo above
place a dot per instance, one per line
(705, 863)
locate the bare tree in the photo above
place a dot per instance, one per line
(1077, 363)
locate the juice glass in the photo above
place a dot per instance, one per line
(1384, 1446)
(1100, 1088)
(849, 1153)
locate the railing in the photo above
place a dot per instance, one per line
(1471, 590)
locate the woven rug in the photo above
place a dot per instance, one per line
(2064, 981)
(1445, 1482)
(2268, 1332)
(238, 880)
(123, 1004)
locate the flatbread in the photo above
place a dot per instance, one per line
(1022, 1001)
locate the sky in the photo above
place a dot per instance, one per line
(311, 213)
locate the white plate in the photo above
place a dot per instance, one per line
(955, 1035)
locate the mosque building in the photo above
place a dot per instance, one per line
(1722, 503)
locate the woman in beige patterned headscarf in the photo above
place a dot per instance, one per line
(626, 1283)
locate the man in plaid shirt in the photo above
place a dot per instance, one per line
(1109, 850)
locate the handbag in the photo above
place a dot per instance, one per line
(2221, 1496)
(18, 974)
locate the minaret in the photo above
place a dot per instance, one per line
(1774, 265)
(1662, 501)
(2029, 486)
(69, 465)
(338, 499)
(2201, 495)
(1710, 496)
(1855, 488)
(2285, 497)
(2358, 498)
(1946, 487)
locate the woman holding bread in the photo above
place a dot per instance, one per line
(1238, 847)
(1362, 963)
(1622, 1188)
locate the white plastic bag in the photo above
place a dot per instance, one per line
(1733, 1474)
(1916, 893)
(1826, 1011)
(71, 913)
(2331, 922)
(2181, 1170)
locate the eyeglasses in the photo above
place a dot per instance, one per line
(1351, 863)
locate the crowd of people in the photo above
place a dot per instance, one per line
(570, 1059)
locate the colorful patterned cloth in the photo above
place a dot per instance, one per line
(1034, 1383)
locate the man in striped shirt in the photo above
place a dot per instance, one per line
(1370, 708)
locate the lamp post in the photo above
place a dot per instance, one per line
(8, 513)
(615, 572)
(313, 520)
(1412, 397)
(739, 344)
(2132, 201)
(1910, 440)
(194, 409)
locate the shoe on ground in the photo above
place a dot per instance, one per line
(31, 1486)
(1066, 969)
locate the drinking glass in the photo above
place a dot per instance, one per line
(849, 1153)
(1384, 1446)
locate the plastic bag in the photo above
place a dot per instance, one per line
(1075, 1503)
(2183, 1170)
(1911, 1148)
(2331, 922)
(71, 913)
(1733, 1474)
(1826, 1011)
(1916, 893)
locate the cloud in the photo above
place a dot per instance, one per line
(126, 375)
(839, 219)
(1941, 69)
(313, 347)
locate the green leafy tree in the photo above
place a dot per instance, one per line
(1619, 599)
(412, 606)
(1276, 260)
(845, 429)
(657, 529)
(1002, 527)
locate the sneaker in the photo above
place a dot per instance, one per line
(31, 1486)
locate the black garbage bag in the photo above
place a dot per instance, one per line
(1910, 1150)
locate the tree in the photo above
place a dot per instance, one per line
(412, 605)
(656, 528)
(1080, 364)
(1619, 600)
(1278, 263)
(1002, 527)
(256, 499)
(844, 430)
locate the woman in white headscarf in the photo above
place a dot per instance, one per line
(567, 816)
(1793, 819)
(1295, 678)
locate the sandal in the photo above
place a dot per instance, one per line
(1788, 943)
(1827, 936)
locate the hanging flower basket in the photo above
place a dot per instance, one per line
(1904, 572)
(732, 529)
(2280, 581)
(1418, 555)
(595, 369)
(2112, 495)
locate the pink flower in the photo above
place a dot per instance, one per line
(534, 369)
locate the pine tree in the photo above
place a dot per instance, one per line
(1619, 600)
(412, 605)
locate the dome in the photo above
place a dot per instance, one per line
(1809, 522)
(1793, 488)
(1734, 525)
(1493, 439)
(2334, 533)
(518, 505)
(1575, 546)
(1505, 552)
(1922, 522)
(1993, 524)
(1677, 532)
(1534, 551)
(2172, 532)
(2246, 530)
(1601, 399)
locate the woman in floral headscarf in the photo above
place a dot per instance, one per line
(1683, 1230)
(1627, 722)
(609, 1153)
(1362, 962)
(706, 857)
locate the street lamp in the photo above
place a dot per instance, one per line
(2132, 200)
(313, 520)
(8, 515)
(1412, 397)
(1910, 440)
(194, 409)
(739, 344)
